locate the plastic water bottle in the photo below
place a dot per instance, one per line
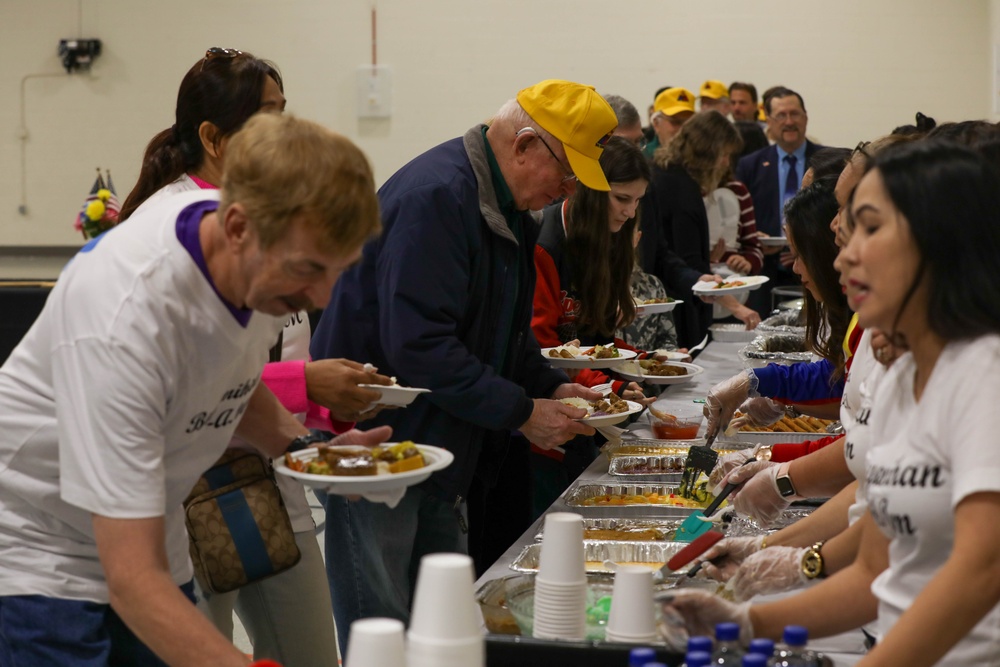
(641, 656)
(700, 643)
(763, 646)
(754, 660)
(793, 652)
(727, 645)
(698, 659)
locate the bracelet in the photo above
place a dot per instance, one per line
(763, 543)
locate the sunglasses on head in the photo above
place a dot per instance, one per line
(220, 53)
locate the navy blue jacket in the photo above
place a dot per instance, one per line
(759, 172)
(431, 303)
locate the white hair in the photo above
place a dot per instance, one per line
(512, 112)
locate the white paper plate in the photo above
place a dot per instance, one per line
(586, 361)
(773, 241)
(608, 420)
(435, 458)
(641, 310)
(749, 283)
(632, 371)
(732, 332)
(674, 355)
(394, 394)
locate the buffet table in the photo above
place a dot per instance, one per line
(720, 361)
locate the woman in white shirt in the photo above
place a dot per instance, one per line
(920, 264)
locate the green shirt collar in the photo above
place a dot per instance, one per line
(505, 199)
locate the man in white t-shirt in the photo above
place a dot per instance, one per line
(143, 364)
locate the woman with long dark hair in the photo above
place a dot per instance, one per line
(919, 265)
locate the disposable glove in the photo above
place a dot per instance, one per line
(724, 398)
(759, 497)
(702, 610)
(771, 570)
(760, 411)
(725, 557)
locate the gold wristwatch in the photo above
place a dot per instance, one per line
(813, 566)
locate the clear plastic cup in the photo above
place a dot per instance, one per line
(561, 560)
(375, 642)
(444, 606)
(631, 616)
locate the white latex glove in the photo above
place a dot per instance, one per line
(728, 555)
(726, 464)
(771, 570)
(701, 610)
(761, 411)
(724, 398)
(759, 497)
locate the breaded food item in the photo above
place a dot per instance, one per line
(355, 466)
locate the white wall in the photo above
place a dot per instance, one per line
(863, 66)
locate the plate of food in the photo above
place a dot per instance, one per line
(731, 285)
(772, 241)
(349, 470)
(653, 306)
(598, 356)
(605, 411)
(658, 372)
(394, 394)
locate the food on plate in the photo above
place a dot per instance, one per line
(400, 457)
(652, 498)
(661, 369)
(621, 534)
(788, 424)
(730, 283)
(602, 352)
(356, 461)
(611, 405)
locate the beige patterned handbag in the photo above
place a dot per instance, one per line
(238, 526)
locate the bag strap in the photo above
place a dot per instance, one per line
(275, 353)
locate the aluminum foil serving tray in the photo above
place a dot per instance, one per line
(595, 552)
(578, 495)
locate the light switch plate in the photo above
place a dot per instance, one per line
(374, 91)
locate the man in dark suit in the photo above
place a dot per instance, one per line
(773, 175)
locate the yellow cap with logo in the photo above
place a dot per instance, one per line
(714, 90)
(579, 118)
(673, 101)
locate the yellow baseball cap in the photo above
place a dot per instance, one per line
(714, 89)
(579, 118)
(761, 114)
(673, 101)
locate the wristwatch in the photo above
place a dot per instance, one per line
(813, 566)
(784, 482)
(304, 441)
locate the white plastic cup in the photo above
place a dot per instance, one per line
(375, 642)
(631, 617)
(560, 612)
(428, 652)
(561, 560)
(444, 606)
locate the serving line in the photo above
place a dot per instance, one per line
(720, 361)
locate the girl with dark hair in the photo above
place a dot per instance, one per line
(217, 95)
(287, 616)
(583, 260)
(920, 265)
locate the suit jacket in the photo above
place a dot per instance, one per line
(759, 172)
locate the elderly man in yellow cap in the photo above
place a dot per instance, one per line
(442, 300)
(714, 96)
(671, 109)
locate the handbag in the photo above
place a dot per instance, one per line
(238, 528)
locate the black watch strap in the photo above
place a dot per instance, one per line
(304, 441)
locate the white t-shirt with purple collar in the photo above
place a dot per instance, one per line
(925, 458)
(127, 387)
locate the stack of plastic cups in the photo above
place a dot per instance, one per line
(375, 642)
(561, 583)
(631, 617)
(444, 627)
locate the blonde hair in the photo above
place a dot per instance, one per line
(697, 148)
(282, 169)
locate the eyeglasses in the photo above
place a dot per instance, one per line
(570, 176)
(640, 143)
(860, 148)
(787, 115)
(219, 52)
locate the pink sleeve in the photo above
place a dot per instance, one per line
(287, 380)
